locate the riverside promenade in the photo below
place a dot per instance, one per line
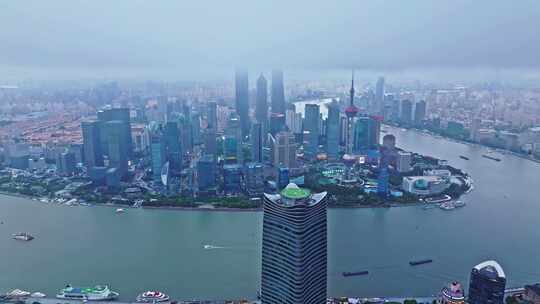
(63, 301)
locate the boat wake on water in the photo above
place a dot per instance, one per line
(208, 247)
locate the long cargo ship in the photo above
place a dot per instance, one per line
(357, 273)
(420, 262)
(491, 157)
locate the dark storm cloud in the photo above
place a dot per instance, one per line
(191, 34)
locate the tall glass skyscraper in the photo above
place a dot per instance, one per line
(206, 173)
(117, 146)
(487, 284)
(367, 132)
(278, 92)
(116, 114)
(92, 153)
(210, 143)
(406, 111)
(261, 106)
(234, 133)
(186, 133)
(379, 96)
(294, 247)
(256, 137)
(311, 129)
(173, 146)
(211, 115)
(158, 145)
(332, 131)
(242, 99)
(419, 112)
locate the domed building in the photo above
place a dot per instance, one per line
(452, 294)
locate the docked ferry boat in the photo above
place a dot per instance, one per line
(152, 296)
(97, 293)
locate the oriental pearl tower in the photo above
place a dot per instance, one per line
(351, 111)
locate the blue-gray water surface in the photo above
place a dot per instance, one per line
(164, 250)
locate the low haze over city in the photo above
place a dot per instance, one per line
(303, 152)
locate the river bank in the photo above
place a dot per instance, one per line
(465, 142)
(203, 208)
(141, 250)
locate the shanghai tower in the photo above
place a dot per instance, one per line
(278, 92)
(242, 99)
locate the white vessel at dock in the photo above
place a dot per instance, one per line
(152, 296)
(97, 293)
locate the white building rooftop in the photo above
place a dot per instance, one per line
(492, 264)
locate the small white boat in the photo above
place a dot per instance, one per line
(38, 294)
(459, 204)
(447, 206)
(152, 297)
(22, 236)
(18, 293)
(120, 210)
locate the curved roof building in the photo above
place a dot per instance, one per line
(452, 294)
(294, 254)
(487, 284)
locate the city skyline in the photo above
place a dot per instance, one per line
(240, 152)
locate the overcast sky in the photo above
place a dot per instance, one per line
(186, 37)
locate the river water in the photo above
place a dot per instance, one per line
(164, 250)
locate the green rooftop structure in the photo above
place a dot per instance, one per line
(292, 191)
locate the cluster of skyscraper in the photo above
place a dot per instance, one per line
(273, 131)
(265, 129)
(107, 145)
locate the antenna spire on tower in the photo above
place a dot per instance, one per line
(352, 88)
